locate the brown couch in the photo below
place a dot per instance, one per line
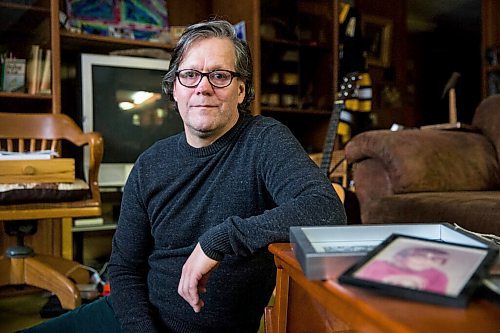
(428, 175)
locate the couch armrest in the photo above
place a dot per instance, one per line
(426, 160)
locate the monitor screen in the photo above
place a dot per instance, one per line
(123, 100)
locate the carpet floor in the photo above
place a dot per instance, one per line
(21, 311)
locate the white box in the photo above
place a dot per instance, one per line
(318, 248)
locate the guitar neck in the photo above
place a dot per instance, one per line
(330, 139)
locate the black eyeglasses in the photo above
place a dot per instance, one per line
(219, 78)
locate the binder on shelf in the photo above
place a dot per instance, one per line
(12, 74)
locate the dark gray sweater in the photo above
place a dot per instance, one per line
(235, 197)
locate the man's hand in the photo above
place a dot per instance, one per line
(194, 277)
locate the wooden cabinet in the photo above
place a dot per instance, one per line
(490, 47)
(21, 26)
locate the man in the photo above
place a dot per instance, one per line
(199, 208)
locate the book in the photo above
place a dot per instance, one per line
(45, 79)
(13, 73)
(32, 69)
(39, 67)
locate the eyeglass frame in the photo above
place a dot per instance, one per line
(207, 74)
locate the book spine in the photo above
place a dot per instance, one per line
(32, 70)
(39, 68)
(46, 74)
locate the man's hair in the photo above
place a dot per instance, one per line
(213, 29)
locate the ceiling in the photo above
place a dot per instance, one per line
(426, 15)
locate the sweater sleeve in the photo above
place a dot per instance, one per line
(300, 195)
(128, 263)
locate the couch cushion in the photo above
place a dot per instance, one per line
(487, 118)
(43, 192)
(477, 211)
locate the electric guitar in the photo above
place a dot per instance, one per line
(331, 134)
(349, 92)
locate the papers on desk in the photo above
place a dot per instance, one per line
(37, 155)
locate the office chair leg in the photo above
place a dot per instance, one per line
(46, 272)
(49, 273)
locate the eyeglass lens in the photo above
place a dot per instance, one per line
(218, 78)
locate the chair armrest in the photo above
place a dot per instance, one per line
(95, 142)
(428, 160)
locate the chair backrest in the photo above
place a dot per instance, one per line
(29, 132)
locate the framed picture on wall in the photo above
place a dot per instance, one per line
(378, 33)
(423, 270)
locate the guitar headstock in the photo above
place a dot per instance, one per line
(349, 87)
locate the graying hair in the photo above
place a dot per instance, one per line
(213, 29)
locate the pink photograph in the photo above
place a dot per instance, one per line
(421, 268)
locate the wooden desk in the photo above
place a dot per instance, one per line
(303, 305)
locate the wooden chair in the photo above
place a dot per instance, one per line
(22, 132)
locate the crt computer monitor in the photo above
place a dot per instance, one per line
(123, 100)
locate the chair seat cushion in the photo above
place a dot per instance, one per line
(477, 211)
(43, 192)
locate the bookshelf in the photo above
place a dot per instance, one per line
(34, 23)
(298, 79)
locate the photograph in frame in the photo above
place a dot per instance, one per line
(422, 270)
(378, 33)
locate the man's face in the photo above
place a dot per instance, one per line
(208, 112)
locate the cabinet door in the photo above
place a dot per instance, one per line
(30, 75)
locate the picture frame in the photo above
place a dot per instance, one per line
(378, 33)
(325, 251)
(423, 270)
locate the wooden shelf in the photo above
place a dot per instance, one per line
(103, 44)
(17, 6)
(24, 95)
(297, 44)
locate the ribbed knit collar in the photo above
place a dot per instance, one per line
(223, 141)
